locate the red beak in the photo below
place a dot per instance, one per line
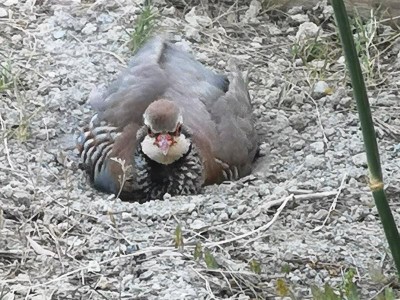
(164, 141)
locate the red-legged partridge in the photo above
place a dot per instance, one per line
(168, 124)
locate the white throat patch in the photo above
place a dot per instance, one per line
(175, 152)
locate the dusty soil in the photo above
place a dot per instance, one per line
(305, 215)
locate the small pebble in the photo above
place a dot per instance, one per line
(126, 216)
(307, 30)
(321, 89)
(314, 162)
(146, 275)
(321, 214)
(224, 216)
(360, 160)
(89, 29)
(198, 224)
(3, 12)
(318, 147)
(58, 34)
(298, 145)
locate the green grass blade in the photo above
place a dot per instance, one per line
(144, 27)
(368, 131)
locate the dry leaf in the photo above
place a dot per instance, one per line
(39, 249)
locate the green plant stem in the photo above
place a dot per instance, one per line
(368, 131)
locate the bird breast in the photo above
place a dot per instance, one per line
(153, 180)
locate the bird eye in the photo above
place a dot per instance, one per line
(177, 130)
(149, 132)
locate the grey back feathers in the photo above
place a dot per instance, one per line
(216, 110)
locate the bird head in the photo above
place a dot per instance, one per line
(164, 142)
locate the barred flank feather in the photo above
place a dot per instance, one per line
(95, 145)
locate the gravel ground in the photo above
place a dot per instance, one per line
(304, 216)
